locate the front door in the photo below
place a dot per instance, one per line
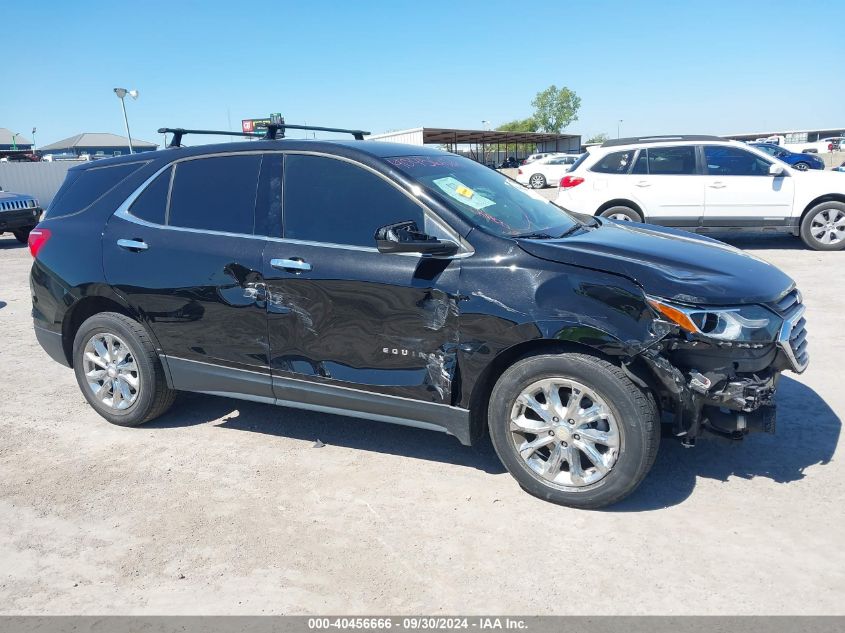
(192, 271)
(739, 191)
(341, 314)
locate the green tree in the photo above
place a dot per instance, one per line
(601, 137)
(555, 108)
(519, 125)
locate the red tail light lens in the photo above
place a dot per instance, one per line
(567, 182)
(519, 171)
(37, 239)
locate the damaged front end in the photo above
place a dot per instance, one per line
(716, 369)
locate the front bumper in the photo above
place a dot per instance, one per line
(19, 219)
(727, 388)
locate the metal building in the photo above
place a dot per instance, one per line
(95, 145)
(485, 146)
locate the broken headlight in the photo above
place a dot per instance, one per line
(748, 324)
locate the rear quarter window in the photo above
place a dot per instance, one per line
(83, 188)
(614, 163)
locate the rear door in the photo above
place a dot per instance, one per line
(667, 183)
(342, 314)
(739, 191)
(186, 255)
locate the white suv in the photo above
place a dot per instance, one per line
(706, 183)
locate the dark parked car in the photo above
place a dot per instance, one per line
(19, 213)
(802, 161)
(405, 284)
(509, 163)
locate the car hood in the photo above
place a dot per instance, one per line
(668, 263)
(10, 195)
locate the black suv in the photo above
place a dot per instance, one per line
(409, 285)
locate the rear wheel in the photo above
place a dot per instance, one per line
(823, 228)
(537, 181)
(622, 213)
(118, 370)
(22, 236)
(573, 429)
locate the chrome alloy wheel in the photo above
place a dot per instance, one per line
(621, 217)
(537, 181)
(110, 371)
(565, 432)
(828, 226)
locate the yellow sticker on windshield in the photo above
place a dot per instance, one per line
(464, 191)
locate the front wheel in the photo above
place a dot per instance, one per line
(622, 213)
(802, 166)
(573, 429)
(823, 228)
(118, 370)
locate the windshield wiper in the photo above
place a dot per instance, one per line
(538, 235)
(572, 229)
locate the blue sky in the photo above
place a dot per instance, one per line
(661, 67)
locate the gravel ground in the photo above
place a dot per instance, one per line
(225, 507)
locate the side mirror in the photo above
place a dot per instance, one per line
(776, 170)
(405, 237)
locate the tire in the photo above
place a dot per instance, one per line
(825, 221)
(802, 166)
(22, 236)
(631, 421)
(622, 213)
(537, 181)
(132, 348)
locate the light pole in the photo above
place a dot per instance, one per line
(14, 144)
(33, 139)
(121, 93)
(618, 128)
(484, 124)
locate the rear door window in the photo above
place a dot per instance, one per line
(671, 161)
(215, 194)
(615, 163)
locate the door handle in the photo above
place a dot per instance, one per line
(290, 264)
(717, 185)
(133, 245)
(643, 183)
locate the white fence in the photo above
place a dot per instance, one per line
(41, 180)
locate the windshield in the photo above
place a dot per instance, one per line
(485, 197)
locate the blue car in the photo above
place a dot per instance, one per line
(802, 162)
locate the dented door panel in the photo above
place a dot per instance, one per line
(360, 318)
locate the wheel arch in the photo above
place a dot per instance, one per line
(828, 197)
(505, 358)
(620, 202)
(86, 307)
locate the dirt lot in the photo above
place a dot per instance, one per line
(226, 507)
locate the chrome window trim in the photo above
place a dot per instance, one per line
(123, 210)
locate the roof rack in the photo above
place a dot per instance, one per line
(660, 139)
(272, 133)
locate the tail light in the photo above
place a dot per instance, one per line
(37, 239)
(567, 182)
(519, 172)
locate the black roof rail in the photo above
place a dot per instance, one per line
(272, 132)
(274, 128)
(668, 138)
